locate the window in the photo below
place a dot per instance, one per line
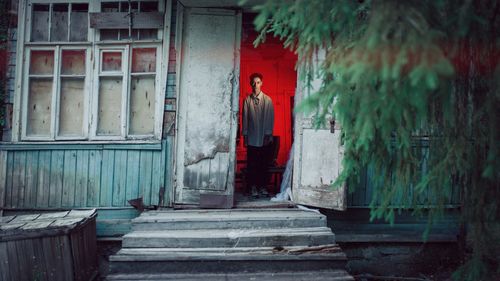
(85, 83)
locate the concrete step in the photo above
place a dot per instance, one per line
(209, 238)
(224, 260)
(333, 275)
(227, 219)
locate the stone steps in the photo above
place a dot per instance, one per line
(238, 219)
(205, 238)
(181, 245)
(332, 275)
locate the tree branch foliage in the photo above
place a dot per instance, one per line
(399, 73)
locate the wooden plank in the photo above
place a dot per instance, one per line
(82, 178)
(8, 185)
(132, 175)
(117, 20)
(31, 178)
(142, 105)
(120, 178)
(4, 262)
(145, 176)
(106, 190)
(69, 179)
(15, 269)
(40, 260)
(18, 177)
(110, 103)
(59, 23)
(156, 182)
(94, 178)
(56, 178)
(43, 182)
(40, 107)
(3, 179)
(71, 107)
(79, 25)
(167, 147)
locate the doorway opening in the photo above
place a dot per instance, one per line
(277, 65)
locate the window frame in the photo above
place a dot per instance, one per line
(93, 48)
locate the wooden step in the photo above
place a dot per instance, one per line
(207, 238)
(219, 219)
(168, 260)
(238, 253)
(333, 275)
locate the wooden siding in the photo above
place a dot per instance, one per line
(72, 176)
(361, 197)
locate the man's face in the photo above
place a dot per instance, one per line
(256, 84)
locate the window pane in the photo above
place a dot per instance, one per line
(111, 61)
(109, 34)
(142, 106)
(71, 107)
(148, 34)
(109, 109)
(149, 6)
(42, 62)
(79, 22)
(144, 60)
(40, 27)
(109, 6)
(73, 62)
(124, 34)
(59, 24)
(39, 107)
(124, 6)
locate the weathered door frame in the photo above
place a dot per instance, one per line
(208, 198)
(325, 165)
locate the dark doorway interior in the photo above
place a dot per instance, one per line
(277, 65)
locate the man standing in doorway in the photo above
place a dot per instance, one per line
(258, 125)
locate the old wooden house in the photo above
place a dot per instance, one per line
(113, 100)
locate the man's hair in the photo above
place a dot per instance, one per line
(255, 75)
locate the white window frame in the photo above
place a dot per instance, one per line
(56, 92)
(92, 49)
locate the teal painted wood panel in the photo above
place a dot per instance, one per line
(8, 181)
(365, 190)
(59, 178)
(69, 179)
(94, 178)
(82, 177)
(31, 179)
(145, 175)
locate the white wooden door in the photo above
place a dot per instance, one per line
(317, 161)
(208, 104)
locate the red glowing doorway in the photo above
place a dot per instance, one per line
(277, 65)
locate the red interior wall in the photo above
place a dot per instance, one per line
(277, 65)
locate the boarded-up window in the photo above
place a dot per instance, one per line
(60, 102)
(111, 61)
(41, 78)
(39, 107)
(133, 8)
(40, 20)
(79, 22)
(56, 19)
(59, 23)
(142, 93)
(109, 108)
(72, 95)
(71, 107)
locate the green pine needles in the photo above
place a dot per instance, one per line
(415, 86)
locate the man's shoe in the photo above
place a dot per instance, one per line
(254, 193)
(263, 192)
